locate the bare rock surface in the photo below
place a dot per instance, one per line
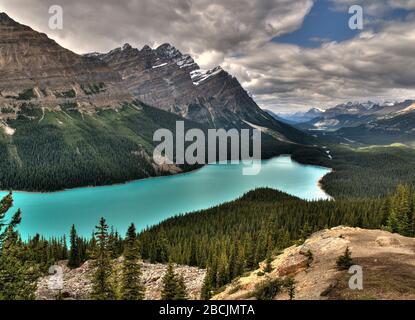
(77, 282)
(29, 58)
(388, 262)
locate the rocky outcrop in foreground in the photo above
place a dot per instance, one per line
(77, 283)
(387, 261)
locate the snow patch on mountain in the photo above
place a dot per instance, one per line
(186, 61)
(326, 123)
(160, 65)
(199, 76)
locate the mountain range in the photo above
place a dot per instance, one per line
(356, 122)
(389, 128)
(70, 120)
(299, 117)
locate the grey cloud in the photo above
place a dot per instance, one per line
(205, 28)
(374, 66)
(374, 7)
(403, 4)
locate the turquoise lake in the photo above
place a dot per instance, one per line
(148, 202)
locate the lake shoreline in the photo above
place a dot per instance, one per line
(320, 185)
(147, 202)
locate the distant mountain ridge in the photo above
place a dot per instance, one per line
(354, 110)
(391, 128)
(367, 123)
(300, 117)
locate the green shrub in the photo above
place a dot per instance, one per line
(267, 290)
(67, 94)
(268, 265)
(290, 285)
(345, 261)
(310, 258)
(235, 289)
(26, 95)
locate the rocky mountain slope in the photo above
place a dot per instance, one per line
(388, 262)
(77, 283)
(30, 59)
(167, 79)
(90, 120)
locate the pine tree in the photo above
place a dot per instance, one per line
(405, 225)
(132, 286)
(385, 211)
(213, 271)
(18, 274)
(101, 285)
(284, 239)
(114, 244)
(250, 252)
(239, 263)
(345, 261)
(401, 211)
(64, 248)
(305, 231)
(207, 288)
(222, 277)
(392, 223)
(91, 247)
(403, 208)
(181, 292)
(74, 254)
(162, 247)
(5, 204)
(290, 285)
(170, 284)
(261, 245)
(268, 265)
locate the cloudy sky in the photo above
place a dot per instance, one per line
(291, 55)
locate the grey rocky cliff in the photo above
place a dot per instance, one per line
(29, 58)
(167, 79)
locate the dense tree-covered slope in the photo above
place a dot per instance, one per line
(362, 171)
(65, 149)
(235, 236)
